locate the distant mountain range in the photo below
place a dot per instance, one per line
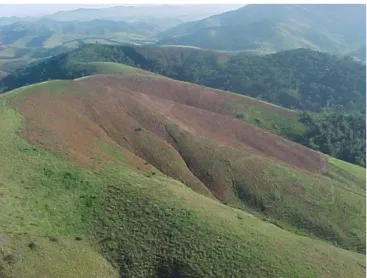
(114, 25)
(164, 16)
(127, 13)
(336, 29)
(271, 28)
(49, 33)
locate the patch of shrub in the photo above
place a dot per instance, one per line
(32, 245)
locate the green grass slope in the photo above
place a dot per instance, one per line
(111, 68)
(179, 134)
(61, 219)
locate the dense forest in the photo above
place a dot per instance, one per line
(336, 133)
(299, 79)
(296, 79)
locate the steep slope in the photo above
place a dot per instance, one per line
(177, 128)
(329, 28)
(73, 182)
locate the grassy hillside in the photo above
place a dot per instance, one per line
(272, 28)
(74, 194)
(301, 79)
(212, 153)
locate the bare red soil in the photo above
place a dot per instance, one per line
(200, 110)
(132, 113)
(187, 93)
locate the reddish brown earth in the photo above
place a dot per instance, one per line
(201, 111)
(183, 130)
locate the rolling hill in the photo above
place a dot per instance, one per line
(302, 79)
(272, 28)
(138, 175)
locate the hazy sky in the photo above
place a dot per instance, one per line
(41, 9)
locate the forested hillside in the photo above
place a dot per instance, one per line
(297, 79)
(336, 133)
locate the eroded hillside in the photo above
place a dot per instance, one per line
(187, 133)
